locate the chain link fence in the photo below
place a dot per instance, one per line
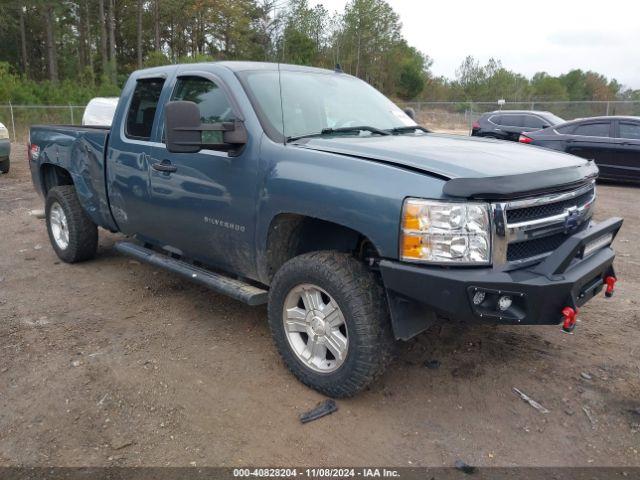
(18, 118)
(459, 116)
(456, 117)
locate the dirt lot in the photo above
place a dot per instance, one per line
(113, 362)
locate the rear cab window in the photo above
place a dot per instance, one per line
(142, 109)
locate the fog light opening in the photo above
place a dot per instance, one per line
(504, 302)
(479, 297)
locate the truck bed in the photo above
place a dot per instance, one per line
(81, 151)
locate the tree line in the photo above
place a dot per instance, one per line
(68, 51)
(490, 82)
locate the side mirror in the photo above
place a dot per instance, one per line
(185, 132)
(410, 112)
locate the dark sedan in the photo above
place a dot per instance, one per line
(613, 142)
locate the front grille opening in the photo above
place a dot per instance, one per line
(532, 248)
(536, 212)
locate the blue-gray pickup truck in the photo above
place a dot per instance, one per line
(309, 190)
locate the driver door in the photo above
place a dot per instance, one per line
(207, 198)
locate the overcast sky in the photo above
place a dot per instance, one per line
(529, 36)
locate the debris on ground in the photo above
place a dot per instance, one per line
(464, 467)
(432, 364)
(530, 401)
(120, 444)
(589, 415)
(586, 376)
(322, 409)
(37, 213)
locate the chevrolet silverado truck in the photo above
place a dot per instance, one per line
(308, 190)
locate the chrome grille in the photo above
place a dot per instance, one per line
(531, 228)
(536, 212)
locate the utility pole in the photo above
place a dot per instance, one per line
(139, 34)
(23, 43)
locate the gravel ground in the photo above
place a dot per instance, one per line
(112, 362)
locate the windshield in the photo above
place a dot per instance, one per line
(312, 102)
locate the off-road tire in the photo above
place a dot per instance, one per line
(4, 166)
(361, 298)
(83, 233)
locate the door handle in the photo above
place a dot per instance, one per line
(164, 166)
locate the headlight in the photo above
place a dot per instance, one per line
(445, 232)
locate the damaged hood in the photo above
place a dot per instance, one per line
(475, 167)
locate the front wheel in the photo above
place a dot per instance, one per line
(330, 323)
(73, 235)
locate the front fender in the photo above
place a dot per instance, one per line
(363, 195)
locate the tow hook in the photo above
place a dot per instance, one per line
(610, 281)
(570, 316)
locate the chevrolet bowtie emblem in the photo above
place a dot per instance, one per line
(573, 219)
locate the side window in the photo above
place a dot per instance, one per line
(143, 108)
(629, 130)
(532, 121)
(512, 120)
(593, 129)
(212, 102)
(565, 130)
(496, 119)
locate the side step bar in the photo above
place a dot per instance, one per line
(237, 289)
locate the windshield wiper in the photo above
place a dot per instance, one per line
(408, 129)
(332, 131)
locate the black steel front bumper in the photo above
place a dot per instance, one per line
(417, 294)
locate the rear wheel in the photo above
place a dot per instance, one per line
(73, 235)
(330, 322)
(4, 165)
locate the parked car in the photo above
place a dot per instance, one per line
(510, 124)
(5, 149)
(100, 111)
(353, 223)
(613, 142)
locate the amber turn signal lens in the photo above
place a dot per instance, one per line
(411, 217)
(411, 246)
